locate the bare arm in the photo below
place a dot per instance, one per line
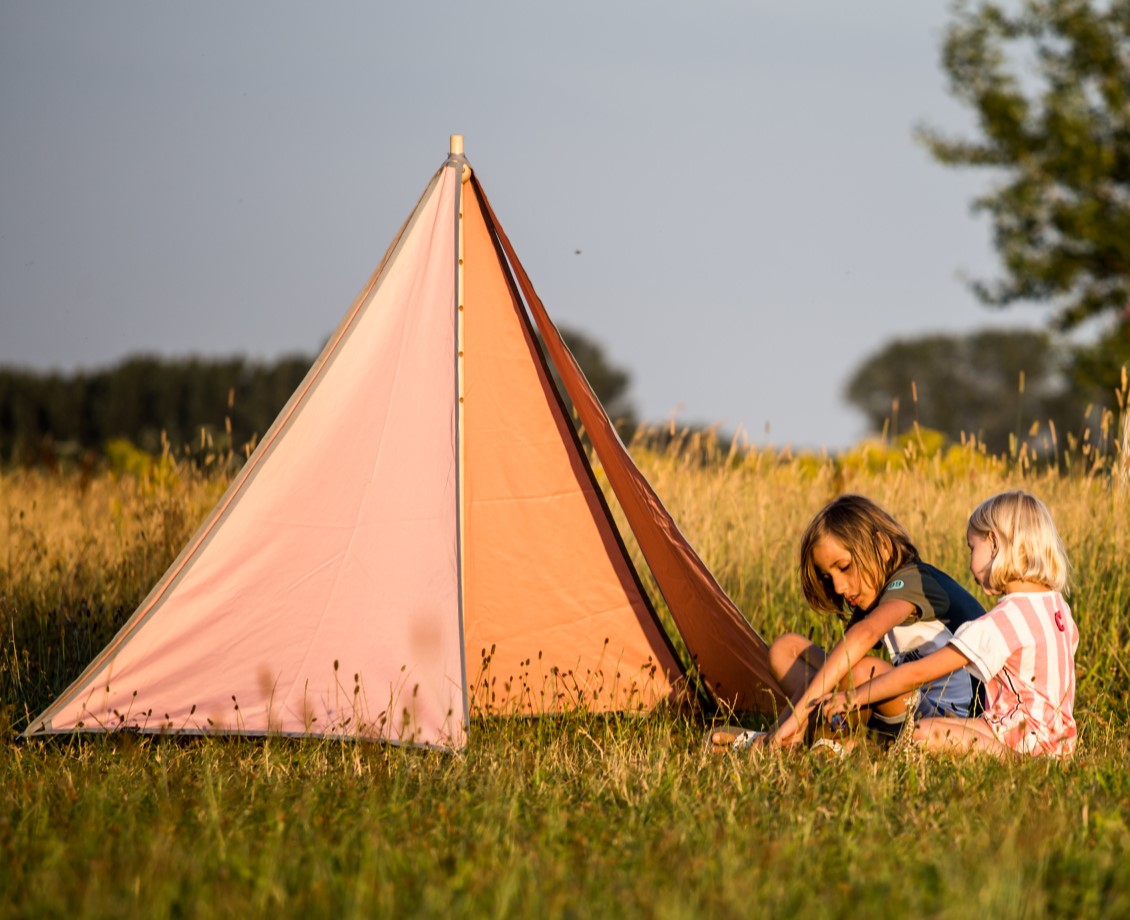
(850, 650)
(904, 678)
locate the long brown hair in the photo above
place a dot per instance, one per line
(877, 542)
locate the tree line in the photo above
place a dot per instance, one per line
(155, 403)
(192, 406)
(999, 387)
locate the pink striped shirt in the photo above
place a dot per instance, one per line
(1023, 650)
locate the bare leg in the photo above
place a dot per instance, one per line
(960, 736)
(871, 667)
(794, 661)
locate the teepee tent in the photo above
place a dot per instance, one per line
(420, 537)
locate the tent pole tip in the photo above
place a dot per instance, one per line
(457, 145)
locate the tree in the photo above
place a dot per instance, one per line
(967, 384)
(1049, 81)
(609, 382)
(1094, 368)
(150, 400)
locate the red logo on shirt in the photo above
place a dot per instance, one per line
(1060, 621)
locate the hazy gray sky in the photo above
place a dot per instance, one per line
(753, 214)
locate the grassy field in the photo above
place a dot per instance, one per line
(573, 816)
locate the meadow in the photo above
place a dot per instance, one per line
(578, 815)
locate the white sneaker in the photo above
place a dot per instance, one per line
(743, 738)
(746, 739)
(834, 748)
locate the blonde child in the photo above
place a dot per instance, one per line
(1023, 649)
(858, 561)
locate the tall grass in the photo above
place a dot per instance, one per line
(77, 554)
(575, 815)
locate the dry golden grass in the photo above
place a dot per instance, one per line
(566, 816)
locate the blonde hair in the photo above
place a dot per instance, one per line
(1028, 545)
(878, 544)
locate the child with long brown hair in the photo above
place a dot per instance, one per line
(1023, 649)
(858, 561)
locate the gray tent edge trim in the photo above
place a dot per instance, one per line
(242, 733)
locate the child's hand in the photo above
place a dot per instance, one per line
(832, 704)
